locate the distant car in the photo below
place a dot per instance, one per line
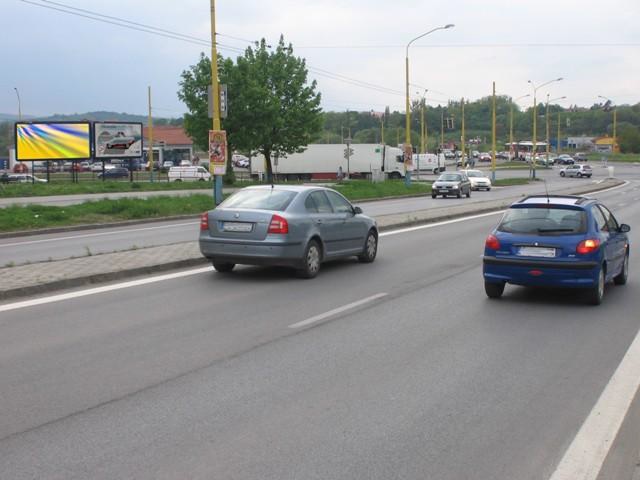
(97, 166)
(564, 159)
(115, 172)
(20, 178)
(502, 155)
(167, 164)
(484, 157)
(120, 143)
(557, 241)
(580, 157)
(185, 163)
(478, 179)
(297, 226)
(457, 184)
(576, 170)
(242, 163)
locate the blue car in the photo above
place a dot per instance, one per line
(557, 241)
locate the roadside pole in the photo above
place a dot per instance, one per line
(493, 134)
(220, 152)
(150, 152)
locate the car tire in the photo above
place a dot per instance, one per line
(223, 267)
(370, 250)
(494, 290)
(579, 175)
(595, 294)
(562, 174)
(311, 260)
(459, 195)
(469, 193)
(433, 195)
(621, 278)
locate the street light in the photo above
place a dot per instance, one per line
(535, 111)
(19, 106)
(546, 115)
(407, 146)
(511, 123)
(615, 121)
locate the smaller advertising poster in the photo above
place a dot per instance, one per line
(408, 157)
(118, 140)
(217, 152)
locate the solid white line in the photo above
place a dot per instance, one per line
(335, 311)
(108, 288)
(438, 224)
(71, 237)
(585, 457)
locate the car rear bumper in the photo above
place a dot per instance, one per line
(251, 252)
(534, 272)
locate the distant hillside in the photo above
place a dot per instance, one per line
(99, 116)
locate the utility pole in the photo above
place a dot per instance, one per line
(215, 93)
(493, 135)
(441, 129)
(462, 140)
(150, 140)
(558, 141)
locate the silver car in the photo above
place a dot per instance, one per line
(457, 184)
(296, 226)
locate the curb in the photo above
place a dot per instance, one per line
(110, 276)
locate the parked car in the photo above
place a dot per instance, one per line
(484, 157)
(457, 184)
(297, 226)
(564, 159)
(557, 241)
(115, 172)
(580, 157)
(20, 178)
(576, 170)
(478, 179)
(167, 164)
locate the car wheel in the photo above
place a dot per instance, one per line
(595, 294)
(562, 174)
(311, 261)
(494, 290)
(489, 189)
(579, 175)
(223, 267)
(621, 278)
(370, 250)
(469, 193)
(433, 195)
(459, 195)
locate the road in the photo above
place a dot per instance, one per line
(207, 375)
(39, 248)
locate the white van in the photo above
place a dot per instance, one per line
(188, 174)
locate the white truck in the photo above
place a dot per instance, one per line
(322, 161)
(188, 174)
(430, 162)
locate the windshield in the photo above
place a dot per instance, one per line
(449, 177)
(474, 173)
(544, 221)
(269, 199)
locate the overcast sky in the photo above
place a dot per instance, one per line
(64, 63)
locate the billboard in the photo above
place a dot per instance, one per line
(52, 141)
(117, 140)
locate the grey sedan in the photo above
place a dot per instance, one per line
(457, 184)
(296, 226)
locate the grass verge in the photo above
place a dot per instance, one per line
(507, 182)
(364, 189)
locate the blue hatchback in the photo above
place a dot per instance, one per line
(557, 241)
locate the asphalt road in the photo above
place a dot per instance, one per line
(39, 248)
(203, 376)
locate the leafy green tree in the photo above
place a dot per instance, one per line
(629, 138)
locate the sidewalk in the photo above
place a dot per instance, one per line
(48, 276)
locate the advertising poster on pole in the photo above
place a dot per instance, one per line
(408, 157)
(217, 152)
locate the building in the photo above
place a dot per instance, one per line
(580, 143)
(170, 143)
(605, 144)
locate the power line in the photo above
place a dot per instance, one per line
(475, 45)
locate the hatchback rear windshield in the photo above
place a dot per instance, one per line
(544, 221)
(255, 199)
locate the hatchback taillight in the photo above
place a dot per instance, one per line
(278, 225)
(492, 243)
(588, 246)
(204, 222)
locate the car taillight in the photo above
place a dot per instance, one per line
(588, 246)
(204, 221)
(278, 225)
(492, 243)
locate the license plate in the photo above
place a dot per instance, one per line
(237, 227)
(537, 252)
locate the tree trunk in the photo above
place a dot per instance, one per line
(267, 156)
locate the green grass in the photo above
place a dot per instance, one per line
(616, 157)
(364, 189)
(17, 217)
(507, 182)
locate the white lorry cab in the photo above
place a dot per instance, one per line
(188, 174)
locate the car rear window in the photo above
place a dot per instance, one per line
(254, 199)
(544, 221)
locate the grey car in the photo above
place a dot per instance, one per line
(457, 184)
(295, 226)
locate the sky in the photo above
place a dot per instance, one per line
(63, 63)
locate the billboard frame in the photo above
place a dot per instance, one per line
(66, 122)
(94, 140)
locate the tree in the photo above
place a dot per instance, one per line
(629, 138)
(273, 110)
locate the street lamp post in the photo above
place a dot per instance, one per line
(546, 117)
(407, 145)
(19, 105)
(615, 121)
(511, 123)
(535, 111)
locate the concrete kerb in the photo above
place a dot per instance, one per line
(100, 268)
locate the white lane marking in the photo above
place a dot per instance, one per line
(71, 237)
(336, 311)
(108, 288)
(438, 224)
(585, 457)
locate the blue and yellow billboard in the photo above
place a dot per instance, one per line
(53, 141)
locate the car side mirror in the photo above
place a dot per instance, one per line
(357, 210)
(624, 228)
